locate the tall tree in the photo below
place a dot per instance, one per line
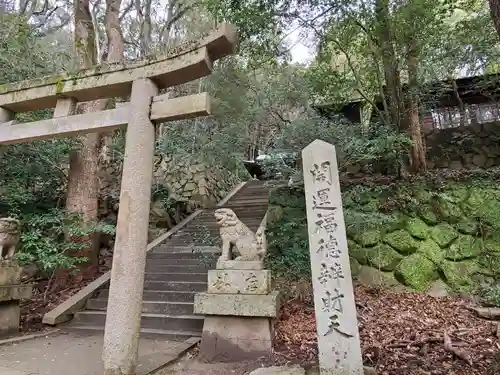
(495, 14)
(83, 182)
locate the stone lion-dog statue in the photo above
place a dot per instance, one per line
(233, 233)
(10, 231)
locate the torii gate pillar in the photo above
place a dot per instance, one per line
(121, 339)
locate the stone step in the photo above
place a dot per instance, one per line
(192, 323)
(149, 307)
(155, 261)
(159, 295)
(176, 276)
(180, 286)
(214, 224)
(161, 334)
(199, 268)
(175, 256)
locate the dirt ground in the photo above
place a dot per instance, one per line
(402, 334)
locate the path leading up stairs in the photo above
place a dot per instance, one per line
(174, 273)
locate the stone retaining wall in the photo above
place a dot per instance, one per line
(412, 236)
(469, 147)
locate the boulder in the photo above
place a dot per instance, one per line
(431, 251)
(417, 228)
(355, 267)
(443, 234)
(450, 211)
(417, 272)
(371, 276)
(438, 289)
(383, 257)
(357, 252)
(468, 226)
(428, 215)
(492, 313)
(458, 274)
(368, 238)
(402, 241)
(464, 247)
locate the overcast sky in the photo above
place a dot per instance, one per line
(300, 51)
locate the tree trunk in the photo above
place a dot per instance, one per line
(418, 160)
(83, 181)
(495, 14)
(83, 185)
(390, 63)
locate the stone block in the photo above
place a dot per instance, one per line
(231, 339)
(10, 274)
(240, 265)
(15, 292)
(237, 304)
(10, 316)
(239, 281)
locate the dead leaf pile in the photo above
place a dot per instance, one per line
(33, 310)
(402, 334)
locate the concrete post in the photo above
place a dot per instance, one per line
(121, 336)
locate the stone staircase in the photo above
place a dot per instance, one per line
(174, 273)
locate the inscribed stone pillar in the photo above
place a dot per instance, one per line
(123, 315)
(336, 320)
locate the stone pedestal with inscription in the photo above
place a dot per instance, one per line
(336, 321)
(239, 308)
(11, 291)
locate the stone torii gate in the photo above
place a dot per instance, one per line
(142, 81)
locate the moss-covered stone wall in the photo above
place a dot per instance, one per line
(417, 235)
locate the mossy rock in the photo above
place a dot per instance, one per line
(431, 251)
(490, 264)
(417, 272)
(458, 274)
(459, 192)
(427, 214)
(373, 205)
(401, 241)
(372, 276)
(368, 238)
(383, 257)
(423, 195)
(357, 252)
(475, 200)
(417, 228)
(355, 267)
(443, 234)
(492, 243)
(490, 213)
(450, 211)
(467, 226)
(395, 222)
(464, 247)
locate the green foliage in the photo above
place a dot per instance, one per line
(43, 240)
(377, 145)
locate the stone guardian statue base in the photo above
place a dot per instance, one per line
(11, 289)
(239, 305)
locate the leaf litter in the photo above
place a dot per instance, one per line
(402, 333)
